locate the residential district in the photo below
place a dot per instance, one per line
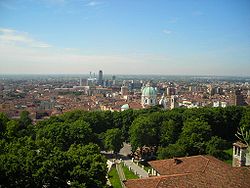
(43, 96)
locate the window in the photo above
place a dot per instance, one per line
(238, 152)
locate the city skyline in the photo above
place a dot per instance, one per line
(125, 37)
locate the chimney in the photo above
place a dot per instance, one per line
(177, 161)
(240, 155)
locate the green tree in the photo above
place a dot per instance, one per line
(143, 132)
(27, 163)
(244, 135)
(215, 147)
(195, 134)
(170, 131)
(87, 167)
(113, 140)
(12, 129)
(24, 120)
(63, 135)
(123, 120)
(3, 121)
(245, 120)
(172, 150)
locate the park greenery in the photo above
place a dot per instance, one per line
(114, 178)
(64, 150)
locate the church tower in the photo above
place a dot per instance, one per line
(173, 103)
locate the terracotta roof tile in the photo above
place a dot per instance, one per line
(196, 171)
(185, 165)
(144, 182)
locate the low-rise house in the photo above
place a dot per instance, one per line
(195, 171)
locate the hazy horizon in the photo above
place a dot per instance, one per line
(175, 38)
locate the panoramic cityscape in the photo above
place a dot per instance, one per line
(43, 96)
(125, 94)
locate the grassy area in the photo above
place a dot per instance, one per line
(128, 173)
(230, 153)
(114, 178)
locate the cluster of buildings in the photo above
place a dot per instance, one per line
(47, 96)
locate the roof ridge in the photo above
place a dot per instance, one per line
(179, 158)
(208, 160)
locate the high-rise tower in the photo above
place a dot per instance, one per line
(100, 78)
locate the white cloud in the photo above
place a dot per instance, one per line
(23, 59)
(93, 3)
(167, 31)
(10, 36)
(21, 54)
(5, 30)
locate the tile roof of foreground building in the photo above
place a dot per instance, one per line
(195, 171)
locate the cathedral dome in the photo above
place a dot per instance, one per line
(149, 96)
(149, 91)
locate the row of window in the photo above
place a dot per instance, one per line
(146, 101)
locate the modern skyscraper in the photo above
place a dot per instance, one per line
(80, 81)
(100, 78)
(113, 80)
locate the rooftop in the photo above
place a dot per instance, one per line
(195, 171)
(240, 144)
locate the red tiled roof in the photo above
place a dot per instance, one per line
(144, 182)
(135, 105)
(196, 171)
(186, 165)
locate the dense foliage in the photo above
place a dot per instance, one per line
(184, 132)
(53, 153)
(64, 150)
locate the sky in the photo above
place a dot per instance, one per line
(169, 37)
